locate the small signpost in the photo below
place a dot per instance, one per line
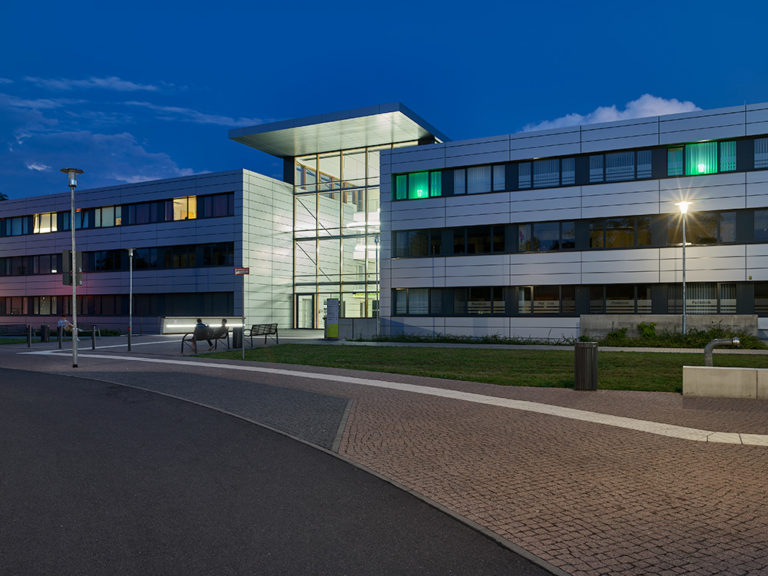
(242, 272)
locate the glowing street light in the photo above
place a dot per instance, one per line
(72, 183)
(683, 206)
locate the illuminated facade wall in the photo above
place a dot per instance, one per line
(336, 228)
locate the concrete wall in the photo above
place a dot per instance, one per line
(599, 325)
(357, 328)
(715, 382)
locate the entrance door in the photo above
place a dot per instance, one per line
(305, 311)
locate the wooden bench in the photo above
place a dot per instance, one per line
(262, 330)
(206, 333)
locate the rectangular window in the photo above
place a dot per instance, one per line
(727, 156)
(524, 175)
(546, 300)
(620, 299)
(460, 301)
(596, 234)
(459, 241)
(418, 301)
(418, 243)
(727, 227)
(701, 158)
(644, 164)
(479, 240)
(643, 300)
(568, 167)
(436, 301)
(498, 238)
(619, 166)
(567, 235)
(546, 236)
(401, 302)
(524, 236)
(546, 173)
(524, 299)
(44, 223)
(418, 185)
(184, 208)
(460, 181)
(499, 178)
(619, 233)
(643, 230)
(401, 187)
(761, 152)
(567, 300)
(596, 169)
(478, 179)
(479, 301)
(435, 184)
(675, 161)
(727, 299)
(761, 226)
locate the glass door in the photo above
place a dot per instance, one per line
(305, 311)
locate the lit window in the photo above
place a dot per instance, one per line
(701, 158)
(44, 223)
(185, 208)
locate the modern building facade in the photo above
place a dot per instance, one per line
(309, 236)
(546, 234)
(557, 233)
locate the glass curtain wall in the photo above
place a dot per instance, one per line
(336, 233)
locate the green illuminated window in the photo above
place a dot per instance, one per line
(401, 187)
(436, 179)
(418, 185)
(701, 158)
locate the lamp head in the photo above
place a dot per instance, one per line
(683, 207)
(72, 176)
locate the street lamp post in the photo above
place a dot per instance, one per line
(72, 181)
(683, 213)
(130, 297)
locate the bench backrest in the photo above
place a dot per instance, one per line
(257, 329)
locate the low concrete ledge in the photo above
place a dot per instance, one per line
(718, 382)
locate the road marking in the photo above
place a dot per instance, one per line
(658, 428)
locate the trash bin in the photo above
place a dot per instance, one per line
(45, 333)
(237, 337)
(586, 366)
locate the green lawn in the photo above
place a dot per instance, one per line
(616, 370)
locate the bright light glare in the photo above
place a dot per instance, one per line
(702, 167)
(683, 207)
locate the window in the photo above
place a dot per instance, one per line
(499, 178)
(546, 300)
(761, 225)
(644, 164)
(478, 179)
(460, 181)
(524, 237)
(701, 158)
(417, 185)
(761, 152)
(44, 223)
(619, 233)
(619, 299)
(619, 166)
(184, 208)
(597, 234)
(596, 169)
(524, 175)
(568, 235)
(727, 156)
(675, 161)
(568, 174)
(418, 243)
(546, 236)
(546, 173)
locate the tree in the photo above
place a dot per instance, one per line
(3, 196)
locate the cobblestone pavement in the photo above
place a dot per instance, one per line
(589, 499)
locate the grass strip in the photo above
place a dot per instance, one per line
(648, 371)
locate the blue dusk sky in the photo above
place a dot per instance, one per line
(134, 91)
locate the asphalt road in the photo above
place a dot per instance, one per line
(97, 478)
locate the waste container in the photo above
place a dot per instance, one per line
(45, 333)
(586, 366)
(237, 337)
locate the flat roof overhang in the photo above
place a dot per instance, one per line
(371, 126)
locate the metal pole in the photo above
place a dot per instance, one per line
(378, 288)
(684, 219)
(130, 297)
(242, 329)
(75, 275)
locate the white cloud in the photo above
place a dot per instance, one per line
(646, 105)
(176, 113)
(108, 83)
(37, 167)
(6, 81)
(6, 100)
